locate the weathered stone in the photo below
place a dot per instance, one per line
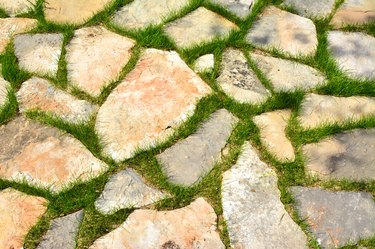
(347, 155)
(18, 214)
(39, 94)
(355, 12)
(286, 75)
(241, 8)
(63, 232)
(199, 26)
(95, 58)
(190, 159)
(272, 126)
(16, 7)
(204, 63)
(155, 98)
(317, 110)
(44, 156)
(354, 53)
(190, 227)
(254, 214)
(285, 31)
(315, 9)
(336, 218)
(4, 89)
(39, 53)
(126, 189)
(238, 80)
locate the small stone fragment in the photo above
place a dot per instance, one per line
(4, 89)
(16, 7)
(354, 12)
(204, 63)
(241, 8)
(315, 9)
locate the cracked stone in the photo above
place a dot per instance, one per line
(17, 7)
(315, 9)
(354, 12)
(204, 63)
(241, 8)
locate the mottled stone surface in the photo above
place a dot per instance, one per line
(282, 30)
(204, 63)
(39, 94)
(62, 232)
(95, 58)
(355, 12)
(238, 80)
(336, 218)
(16, 7)
(286, 75)
(199, 26)
(241, 8)
(43, 156)
(354, 52)
(190, 227)
(316, 9)
(254, 214)
(318, 110)
(126, 189)
(4, 89)
(39, 53)
(155, 98)
(18, 214)
(347, 155)
(190, 159)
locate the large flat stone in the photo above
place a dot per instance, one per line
(354, 52)
(153, 100)
(43, 156)
(18, 214)
(190, 227)
(199, 26)
(241, 8)
(354, 12)
(336, 218)
(16, 7)
(190, 159)
(315, 9)
(282, 30)
(95, 58)
(239, 81)
(254, 214)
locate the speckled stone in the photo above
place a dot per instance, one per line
(241, 8)
(16, 7)
(354, 12)
(204, 63)
(315, 9)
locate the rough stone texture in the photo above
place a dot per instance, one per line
(39, 53)
(354, 53)
(63, 232)
(95, 57)
(126, 189)
(272, 126)
(316, 9)
(239, 81)
(347, 155)
(44, 156)
(16, 7)
(318, 110)
(199, 26)
(13, 26)
(336, 218)
(204, 63)
(190, 159)
(4, 88)
(241, 8)
(255, 216)
(142, 13)
(285, 31)
(73, 11)
(355, 12)
(39, 94)
(155, 98)
(286, 75)
(190, 227)
(18, 214)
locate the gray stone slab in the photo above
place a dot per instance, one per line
(241, 8)
(311, 8)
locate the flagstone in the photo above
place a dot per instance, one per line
(204, 63)
(354, 12)
(315, 9)
(241, 8)
(16, 7)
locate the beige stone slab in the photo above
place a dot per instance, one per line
(354, 12)
(204, 63)
(16, 7)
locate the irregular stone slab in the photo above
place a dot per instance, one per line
(19, 212)
(355, 12)
(347, 155)
(190, 227)
(44, 156)
(239, 81)
(4, 89)
(63, 232)
(199, 26)
(241, 8)
(126, 189)
(142, 13)
(315, 9)
(153, 100)
(285, 31)
(16, 7)
(254, 214)
(286, 75)
(272, 126)
(204, 63)
(39, 94)
(95, 58)
(190, 159)
(317, 110)
(39, 53)
(354, 52)
(336, 218)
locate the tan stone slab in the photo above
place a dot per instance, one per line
(18, 214)
(354, 12)
(190, 227)
(95, 57)
(152, 101)
(16, 7)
